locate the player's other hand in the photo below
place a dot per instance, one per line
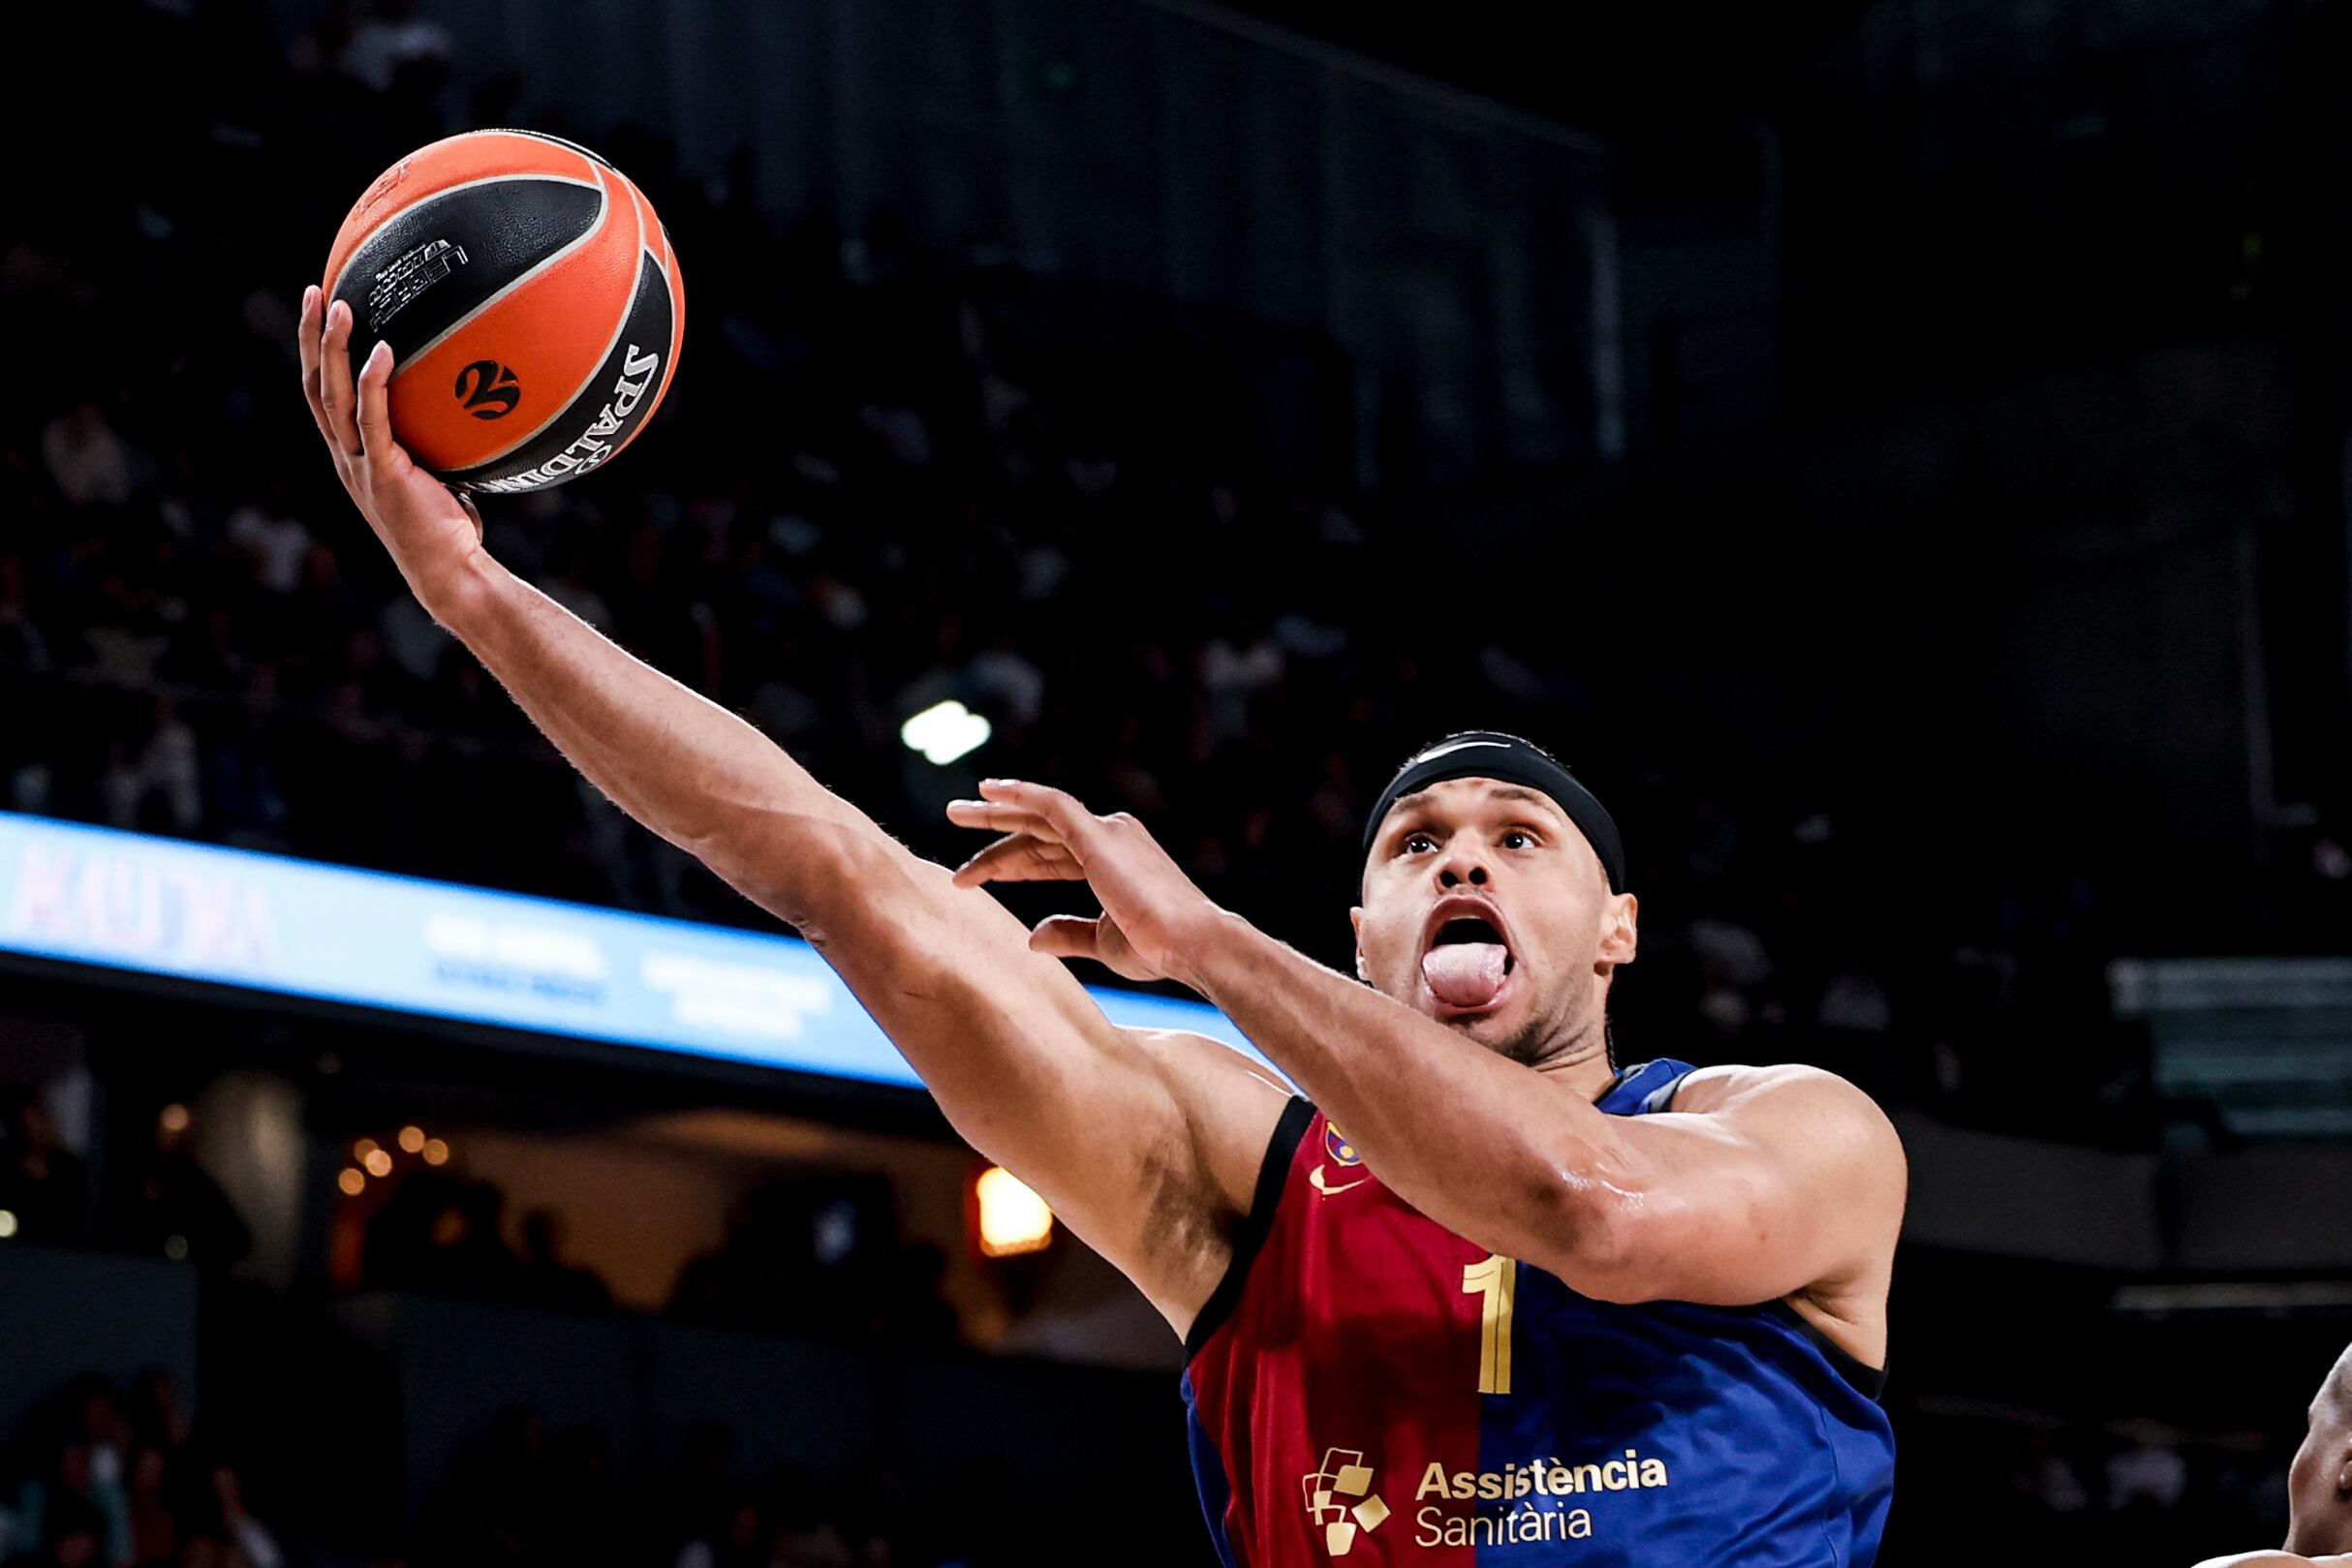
(1153, 915)
(432, 532)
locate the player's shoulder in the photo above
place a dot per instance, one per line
(1705, 1088)
(2276, 1559)
(1792, 1093)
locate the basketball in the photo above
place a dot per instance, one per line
(531, 299)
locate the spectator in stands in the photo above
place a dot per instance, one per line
(544, 1279)
(71, 1495)
(173, 1207)
(74, 1534)
(155, 1532)
(254, 1544)
(735, 1539)
(153, 1410)
(440, 1233)
(43, 1184)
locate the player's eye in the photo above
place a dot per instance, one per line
(1416, 843)
(1518, 839)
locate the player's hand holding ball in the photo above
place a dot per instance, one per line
(501, 312)
(431, 529)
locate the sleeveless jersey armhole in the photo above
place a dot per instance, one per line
(1869, 1380)
(1273, 1175)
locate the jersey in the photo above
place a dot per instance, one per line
(1365, 1387)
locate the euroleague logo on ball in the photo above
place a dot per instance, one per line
(488, 389)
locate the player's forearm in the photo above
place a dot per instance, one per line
(680, 764)
(1010, 1045)
(1479, 1144)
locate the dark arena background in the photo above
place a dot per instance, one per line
(1894, 449)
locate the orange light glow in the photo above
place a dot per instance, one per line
(363, 1149)
(1013, 1218)
(412, 1140)
(378, 1162)
(174, 1119)
(436, 1152)
(351, 1181)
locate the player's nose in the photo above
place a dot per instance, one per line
(1456, 870)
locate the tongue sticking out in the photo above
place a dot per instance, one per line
(1465, 975)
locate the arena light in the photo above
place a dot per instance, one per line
(352, 1182)
(945, 731)
(1014, 1219)
(412, 1140)
(435, 1151)
(378, 1162)
(174, 1119)
(8, 1224)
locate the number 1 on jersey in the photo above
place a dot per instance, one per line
(1494, 1278)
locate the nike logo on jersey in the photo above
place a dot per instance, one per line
(1314, 1180)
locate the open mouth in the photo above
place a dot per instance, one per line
(1467, 960)
(1471, 931)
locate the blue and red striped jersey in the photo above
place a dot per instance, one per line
(1366, 1387)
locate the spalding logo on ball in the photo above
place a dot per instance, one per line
(531, 298)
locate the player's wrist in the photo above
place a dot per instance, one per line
(1203, 945)
(458, 586)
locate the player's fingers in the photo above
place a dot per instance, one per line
(1020, 857)
(995, 816)
(1062, 811)
(375, 420)
(306, 350)
(335, 381)
(1067, 936)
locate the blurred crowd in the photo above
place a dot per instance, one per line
(2122, 1492)
(887, 478)
(522, 1495)
(154, 1198)
(113, 1477)
(102, 1477)
(815, 1255)
(109, 1477)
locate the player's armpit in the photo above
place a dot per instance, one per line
(1761, 1183)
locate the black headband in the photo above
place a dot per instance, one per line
(1483, 753)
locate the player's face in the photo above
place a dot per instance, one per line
(1485, 909)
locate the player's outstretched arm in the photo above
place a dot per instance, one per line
(1147, 1142)
(1764, 1184)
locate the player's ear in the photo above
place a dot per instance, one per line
(1620, 929)
(1356, 923)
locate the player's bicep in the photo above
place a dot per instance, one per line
(1781, 1187)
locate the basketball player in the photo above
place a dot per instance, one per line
(2319, 1486)
(1479, 1287)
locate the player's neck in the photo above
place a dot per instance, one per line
(1581, 1062)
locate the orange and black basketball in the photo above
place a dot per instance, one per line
(531, 299)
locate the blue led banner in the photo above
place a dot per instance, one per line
(299, 928)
